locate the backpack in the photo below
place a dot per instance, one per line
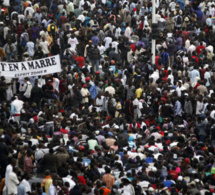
(179, 20)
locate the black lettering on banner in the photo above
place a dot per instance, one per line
(10, 67)
(48, 62)
(15, 66)
(42, 63)
(3, 65)
(23, 67)
(53, 61)
(30, 65)
(37, 65)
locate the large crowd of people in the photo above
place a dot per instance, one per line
(112, 122)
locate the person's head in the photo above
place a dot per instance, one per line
(107, 170)
(13, 162)
(26, 79)
(47, 172)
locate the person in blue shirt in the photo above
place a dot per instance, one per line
(164, 56)
(95, 39)
(199, 13)
(168, 182)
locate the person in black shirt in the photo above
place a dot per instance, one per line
(55, 49)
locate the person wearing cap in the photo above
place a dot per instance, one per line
(85, 94)
(188, 107)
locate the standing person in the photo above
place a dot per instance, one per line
(171, 50)
(3, 156)
(27, 90)
(16, 107)
(26, 183)
(13, 182)
(44, 46)
(36, 93)
(9, 169)
(9, 49)
(194, 73)
(95, 57)
(47, 182)
(108, 178)
(177, 107)
(28, 162)
(50, 161)
(53, 188)
(129, 110)
(52, 28)
(30, 46)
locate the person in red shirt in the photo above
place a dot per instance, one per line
(80, 61)
(173, 172)
(200, 48)
(132, 47)
(63, 18)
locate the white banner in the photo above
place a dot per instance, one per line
(31, 68)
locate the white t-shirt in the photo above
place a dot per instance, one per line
(100, 103)
(73, 42)
(45, 47)
(101, 50)
(9, 169)
(30, 48)
(107, 41)
(27, 186)
(115, 45)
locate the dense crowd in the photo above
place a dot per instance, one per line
(112, 122)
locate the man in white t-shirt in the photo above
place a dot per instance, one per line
(107, 41)
(25, 182)
(72, 41)
(30, 48)
(45, 47)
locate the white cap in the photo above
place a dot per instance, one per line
(180, 178)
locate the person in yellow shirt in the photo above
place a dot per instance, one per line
(46, 183)
(139, 92)
(50, 39)
(52, 28)
(118, 109)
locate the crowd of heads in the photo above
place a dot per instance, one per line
(112, 122)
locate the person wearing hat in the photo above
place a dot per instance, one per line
(85, 95)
